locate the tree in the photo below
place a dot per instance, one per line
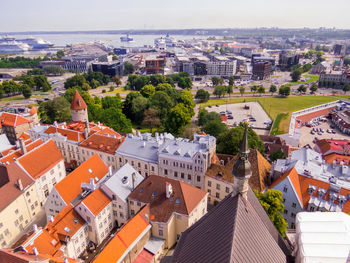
(77, 80)
(162, 102)
(28, 80)
(204, 116)
(57, 109)
(241, 90)
(190, 130)
(273, 89)
(231, 81)
(214, 127)
(127, 104)
(111, 102)
(215, 81)
(313, 88)
(157, 79)
(128, 68)
(272, 202)
(151, 119)
(53, 70)
(41, 83)
(114, 118)
(302, 89)
(307, 68)
(220, 91)
(148, 91)
(26, 91)
(229, 89)
(139, 105)
(186, 99)
(185, 83)
(347, 61)
(177, 119)
(295, 75)
(277, 155)
(284, 90)
(261, 90)
(117, 80)
(60, 54)
(202, 95)
(253, 89)
(229, 141)
(346, 88)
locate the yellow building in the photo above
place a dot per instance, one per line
(174, 206)
(219, 177)
(19, 203)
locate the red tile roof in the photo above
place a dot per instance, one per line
(33, 111)
(96, 201)
(70, 134)
(103, 143)
(77, 103)
(184, 198)
(330, 158)
(18, 153)
(144, 257)
(7, 255)
(13, 120)
(70, 187)
(25, 136)
(41, 159)
(131, 231)
(309, 116)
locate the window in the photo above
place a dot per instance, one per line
(132, 212)
(217, 195)
(227, 190)
(121, 215)
(165, 171)
(131, 202)
(292, 215)
(52, 171)
(138, 203)
(152, 168)
(115, 213)
(120, 160)
(294, 205)
(286, 211)
(32, 207)
(284, 200)
(109, 158)
(198, 178)
(20, 218)
(88, 219)
(1, 225)
(312, 208)
(100, 225)
(189, 177)
(175, 174)
(145, 166)
(209, 183)
(209, 191)
(285, 189)
(90, 228)
(16, 211)
(160, 232)
(6, 232)
(138, 165)
(182, 175)
(16, 223)
(217, 186)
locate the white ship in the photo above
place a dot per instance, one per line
(10, 47)
(126, 38)
(36, 43)
(169, 42)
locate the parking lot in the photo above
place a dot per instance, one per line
(256, 114)
(307, 138)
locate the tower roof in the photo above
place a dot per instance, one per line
(77, 103)
(242, 167)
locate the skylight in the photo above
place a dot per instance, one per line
(177, 200)
(154, 194)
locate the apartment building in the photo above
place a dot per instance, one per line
(174, 206)
(117, 187)
(74, 187)
(13, 125)
(155, 64)
(262, 70)
(19, 202)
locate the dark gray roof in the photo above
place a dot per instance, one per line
(236, 230)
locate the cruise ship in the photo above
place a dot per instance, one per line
(169, 41)
(36, 43)
(9, 47)
(126, 38)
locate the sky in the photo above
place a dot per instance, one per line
(70, 15)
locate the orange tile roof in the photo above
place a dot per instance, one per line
(330, 158)
(18, 153)
(8, 255)
(53, 235)
(32, 111)
(13, 120)
(103, 143)
(116, 248)
(77, 103)
(70, 134)
(96, 201)
(70, 187)
(25, 136)
(109, 133)
(309, 116)
(144, 257)
(41, 159)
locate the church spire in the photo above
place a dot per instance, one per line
(242, 169)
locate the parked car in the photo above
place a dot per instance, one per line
(229, 112)
(209, 106)
(217, 105)
(333, 131)
(230, 117)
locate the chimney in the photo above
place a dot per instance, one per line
(50, 219)
(110, 170)
(23, 147)
(133, 180)
(35, 251)
(55, 124)
(19, 184)
(92, 183)
(168, 189)
(35, 228)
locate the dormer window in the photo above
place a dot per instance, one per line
(311, 189)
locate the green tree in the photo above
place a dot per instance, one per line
(307, 68)
(215, 81)
(229, 141)
(111, 102)
(220, 91)
(204, 116)
(162, 102)
(26, 91)
(261, 90)
(28, 80)
(214, 127)
(41, 83)
(295, 75)
(114, 118)
(53, 70)
(273, 89)
(57, 109)
(313, 88)
(346, 88)
(127, 105)
(186, 99)
(148, 91)
(177, 119)
(229, 89)
(185, 83)
(117, 80)
(302, 89)
(77, 80)
(253, 89)
(157, 79)
(272, 202)
(277, 155)
(85, 86)
(242, 90)
(151, 118)
(202, 95)
(139, 105)
(128, 68)
(284, 90)
(60, 54)
(231, 81)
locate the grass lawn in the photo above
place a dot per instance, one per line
(14, 98)
(276, 105)
(312, 78)
(120, 90)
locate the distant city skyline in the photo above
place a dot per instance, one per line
(40, 15)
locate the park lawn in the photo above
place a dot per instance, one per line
(14, 98)
(312, 78)
(119, 90)
(277, 105)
